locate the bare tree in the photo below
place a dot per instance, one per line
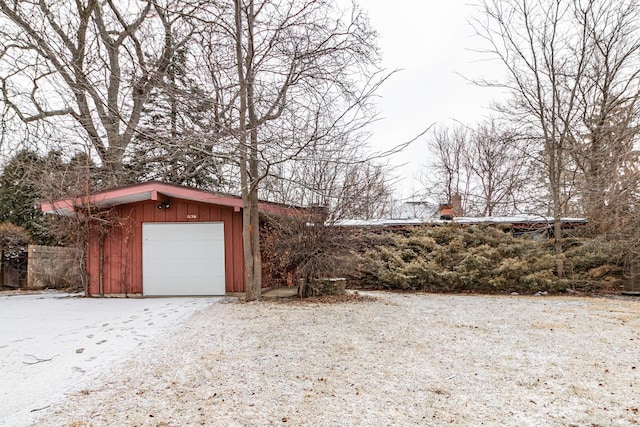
(283, 76)
(483, 170)
(338, 177)
(500, 169)
(573, 72)
(605, 140)
(95, 62)
(449, 173)
(545, 53)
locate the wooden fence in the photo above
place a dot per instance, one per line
(54, 267)
(13, 268)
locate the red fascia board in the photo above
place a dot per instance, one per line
(153, 191)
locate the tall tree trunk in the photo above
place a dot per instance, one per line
(557, 244)
(113, 163)
(254, 216)
(555, 184)
(247, 241)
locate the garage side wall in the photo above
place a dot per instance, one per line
(121, 252)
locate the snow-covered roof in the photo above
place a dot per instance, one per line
(518, 219)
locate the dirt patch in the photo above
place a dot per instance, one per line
(399, 360)
(348, 297)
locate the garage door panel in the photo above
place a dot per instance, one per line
(176, 267)
(185, 238)
(183, 259)
(202, 248)
(172, 286)
(184, 231)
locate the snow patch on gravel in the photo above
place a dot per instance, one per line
(400, 360)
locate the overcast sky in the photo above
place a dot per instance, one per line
(430, 42)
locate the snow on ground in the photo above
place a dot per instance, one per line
(52, 344)
(401, 360)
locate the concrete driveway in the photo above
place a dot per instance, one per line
(53, 343)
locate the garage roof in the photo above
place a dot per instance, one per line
(152, 190)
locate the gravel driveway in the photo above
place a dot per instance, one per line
(400, 360)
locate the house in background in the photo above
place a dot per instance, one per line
(421, 214)
(161, 239)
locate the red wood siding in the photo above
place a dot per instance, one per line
(122, 245)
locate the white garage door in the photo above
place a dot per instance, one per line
(183, 259)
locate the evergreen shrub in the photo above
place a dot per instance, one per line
(479, 258)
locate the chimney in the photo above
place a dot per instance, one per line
(456, 204)
(446, 212)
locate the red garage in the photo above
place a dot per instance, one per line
(162, 239)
